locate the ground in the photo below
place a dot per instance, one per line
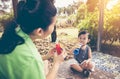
(67, 37)
(99, 73)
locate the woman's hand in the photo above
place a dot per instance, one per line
(49, 54)
(59, 58)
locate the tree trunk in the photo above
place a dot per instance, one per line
(54, 35)
(100, 24)
(14, 3)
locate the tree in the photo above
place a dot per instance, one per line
(110, 30)
(54, 35)
(100, 24)
(5, 6)
(91, 5)
(14, 3)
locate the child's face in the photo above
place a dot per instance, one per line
(83, 39)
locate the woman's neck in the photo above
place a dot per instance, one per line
(32, 37)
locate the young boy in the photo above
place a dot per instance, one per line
(83, 55)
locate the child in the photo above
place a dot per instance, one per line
(83, 55)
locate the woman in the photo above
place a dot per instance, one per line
(19, 58)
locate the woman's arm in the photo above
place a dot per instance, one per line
(45, 57)
(53, 72)
(57, 61)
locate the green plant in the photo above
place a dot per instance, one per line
(4, 19)
(111, 28)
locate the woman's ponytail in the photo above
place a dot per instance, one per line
(9, 39)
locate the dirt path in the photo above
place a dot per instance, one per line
(65, 73)
(67, 37)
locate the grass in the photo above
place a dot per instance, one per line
(68, 34)
(71, 31)
(116, 43)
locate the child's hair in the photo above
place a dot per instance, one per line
(84, 32)
(31, 14)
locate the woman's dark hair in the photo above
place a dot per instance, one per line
(31, 14)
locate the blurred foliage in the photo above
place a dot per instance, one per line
(6, 14)
(4, 19)
(67, 15)
(5, 5)
(112, 25)
(87, 20)
(91, 5)
(81, 16)
(69, 10)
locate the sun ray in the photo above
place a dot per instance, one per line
(111, 3)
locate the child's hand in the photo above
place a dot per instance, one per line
(72, 50)
(85, 63)
(77, 46)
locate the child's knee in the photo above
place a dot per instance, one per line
(91, 65)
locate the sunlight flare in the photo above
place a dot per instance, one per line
(111, 4)
(64, 3)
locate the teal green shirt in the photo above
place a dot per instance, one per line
(24, 62)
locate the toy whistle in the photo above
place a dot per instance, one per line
(76, 51)
(59, 49)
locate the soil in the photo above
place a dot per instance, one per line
(111, 50)
(67, 37)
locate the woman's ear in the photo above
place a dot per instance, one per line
(38, 32)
